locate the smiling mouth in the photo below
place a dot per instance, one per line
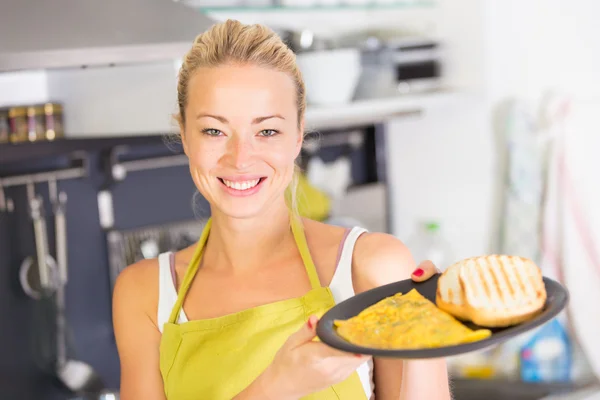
(242, 185)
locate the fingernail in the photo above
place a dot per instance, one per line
(358, 355)
(311, 323)
(418, 272)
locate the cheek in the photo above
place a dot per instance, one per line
(203, 157)
(283, 158)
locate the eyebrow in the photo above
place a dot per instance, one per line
(256, 120)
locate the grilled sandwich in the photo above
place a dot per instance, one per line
(492, 291)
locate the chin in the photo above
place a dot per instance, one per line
(241, 211)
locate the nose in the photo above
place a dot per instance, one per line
(240, 152)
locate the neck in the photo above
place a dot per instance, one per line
(241, 244)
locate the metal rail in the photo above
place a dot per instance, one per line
(42, 177)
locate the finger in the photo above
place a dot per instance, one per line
(305, 334)
(323, 351)
(424, 271)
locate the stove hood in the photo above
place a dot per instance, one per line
(45, 34)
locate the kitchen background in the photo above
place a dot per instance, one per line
(468, 126)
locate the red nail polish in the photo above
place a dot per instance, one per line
(310, 323)
(418, 272)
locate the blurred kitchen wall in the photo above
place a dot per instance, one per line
(502, 50)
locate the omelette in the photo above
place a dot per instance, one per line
(408, 321)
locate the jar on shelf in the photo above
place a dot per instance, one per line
(35, 123)
(54, 127)
(4, 129)
(17, 120)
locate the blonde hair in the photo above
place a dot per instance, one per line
(234, 43)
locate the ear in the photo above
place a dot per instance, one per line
(300, 139)
(182, 137)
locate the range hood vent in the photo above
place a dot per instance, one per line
(45, 34)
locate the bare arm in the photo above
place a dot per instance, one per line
(380, 259)
(138, 339)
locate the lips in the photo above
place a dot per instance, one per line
(242, 184)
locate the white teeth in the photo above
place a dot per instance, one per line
(241, 185)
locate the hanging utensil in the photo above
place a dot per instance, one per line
(60, 226)
(3, 205)
(41, 241)
(76, 375)
(38, 275)
(41, 281)
(6, 203)
(61, 260)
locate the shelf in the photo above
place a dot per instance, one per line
(357, 113)
(373, 111)
(317, 8)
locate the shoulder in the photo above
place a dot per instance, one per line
(138, 277)
(136, 289)
(322, 234)
(379, 259)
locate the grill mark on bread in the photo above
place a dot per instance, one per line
(481, 275)
(470, 280)
(516, 284)
(519, 276)
(462, 290)
(509, 283)
(499, 290)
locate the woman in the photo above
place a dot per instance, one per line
(237, 311)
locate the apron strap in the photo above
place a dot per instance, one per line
(190, 273)
(300, 238)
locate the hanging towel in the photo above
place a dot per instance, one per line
(571, 226)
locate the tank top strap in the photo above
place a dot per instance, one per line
(301, 243)
(191, 272)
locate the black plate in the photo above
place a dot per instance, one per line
(557, 298)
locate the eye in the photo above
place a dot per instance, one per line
(212, 132)
(268, 132)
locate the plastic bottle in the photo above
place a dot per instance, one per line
(547, 356)
(428, 243)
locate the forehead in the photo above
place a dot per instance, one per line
(241, 90)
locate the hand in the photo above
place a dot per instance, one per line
(303, 366)
(424, 271)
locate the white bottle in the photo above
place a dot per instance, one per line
(428, 243)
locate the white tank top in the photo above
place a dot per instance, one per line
(341, 287)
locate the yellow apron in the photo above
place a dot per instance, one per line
(216, 358)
